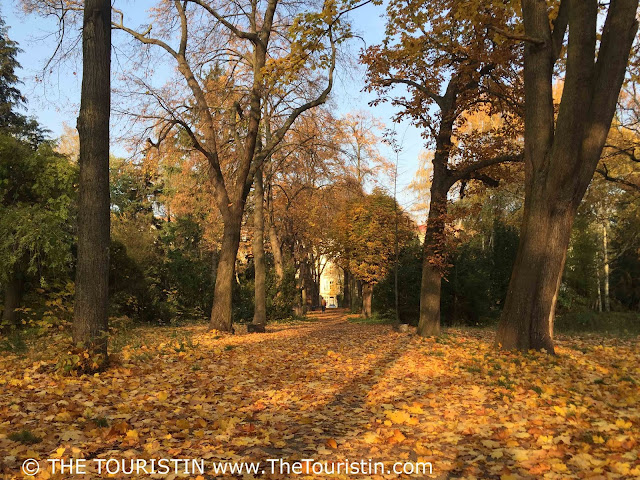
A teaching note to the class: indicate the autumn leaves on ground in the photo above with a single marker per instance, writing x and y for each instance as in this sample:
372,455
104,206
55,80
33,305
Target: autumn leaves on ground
332,389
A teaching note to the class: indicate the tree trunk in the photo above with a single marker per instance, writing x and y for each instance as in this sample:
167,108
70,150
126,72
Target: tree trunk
346,298
223,290
90,318
276,249
12,299
367,295
357,299
599,300
429,323
260,298
433,259
561,154
536,277
605,257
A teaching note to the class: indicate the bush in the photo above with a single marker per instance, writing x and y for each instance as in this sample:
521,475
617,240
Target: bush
409,280
281,298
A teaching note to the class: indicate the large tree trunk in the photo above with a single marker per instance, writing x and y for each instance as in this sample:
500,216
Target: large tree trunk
12,299
260,282
560,162
536,277
367,295
90,318
223,290
432,265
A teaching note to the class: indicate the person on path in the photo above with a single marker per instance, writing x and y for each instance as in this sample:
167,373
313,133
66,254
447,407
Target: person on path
323,302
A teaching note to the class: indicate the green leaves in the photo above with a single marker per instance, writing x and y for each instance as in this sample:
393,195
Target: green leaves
37,188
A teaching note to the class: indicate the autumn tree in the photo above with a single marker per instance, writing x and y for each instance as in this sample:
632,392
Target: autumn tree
255,46
439,63
561,154
90,317
365,234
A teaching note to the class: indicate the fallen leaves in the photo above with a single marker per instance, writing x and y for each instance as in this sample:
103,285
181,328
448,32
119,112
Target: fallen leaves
333,390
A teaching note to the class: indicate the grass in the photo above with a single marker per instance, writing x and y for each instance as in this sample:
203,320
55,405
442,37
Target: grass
619,324
25,437
375,319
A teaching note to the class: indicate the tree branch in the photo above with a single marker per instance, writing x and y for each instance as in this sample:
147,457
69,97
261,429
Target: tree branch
605,174
253,37
559,29
387,82
279,134
484,178
182,12
628,152
470,170
142,37
516,36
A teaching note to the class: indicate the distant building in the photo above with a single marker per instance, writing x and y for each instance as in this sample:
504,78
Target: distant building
331,284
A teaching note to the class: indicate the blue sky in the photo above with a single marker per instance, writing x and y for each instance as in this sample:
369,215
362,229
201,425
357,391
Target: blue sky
57,99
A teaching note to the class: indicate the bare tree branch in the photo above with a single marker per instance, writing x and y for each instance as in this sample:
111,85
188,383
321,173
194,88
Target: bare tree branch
387,82
253,37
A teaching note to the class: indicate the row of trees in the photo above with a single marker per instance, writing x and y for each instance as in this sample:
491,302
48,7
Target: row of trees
167,236
244,111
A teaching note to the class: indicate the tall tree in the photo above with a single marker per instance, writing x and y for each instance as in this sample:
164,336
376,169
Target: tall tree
450,65
10,96
222,113
12,122
561,154
90,316
366,231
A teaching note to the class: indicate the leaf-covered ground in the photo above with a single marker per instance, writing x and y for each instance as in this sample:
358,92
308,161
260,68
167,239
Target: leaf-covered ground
334,390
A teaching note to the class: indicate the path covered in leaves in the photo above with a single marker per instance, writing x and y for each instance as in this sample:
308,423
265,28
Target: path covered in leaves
333,390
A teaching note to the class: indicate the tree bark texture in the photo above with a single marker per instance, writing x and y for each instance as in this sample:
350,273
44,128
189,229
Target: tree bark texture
260,280
432,270
276,249
223,290
605,258
367,296
90,320
433,258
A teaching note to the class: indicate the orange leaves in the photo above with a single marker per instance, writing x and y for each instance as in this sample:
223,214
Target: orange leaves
334,390
396,437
